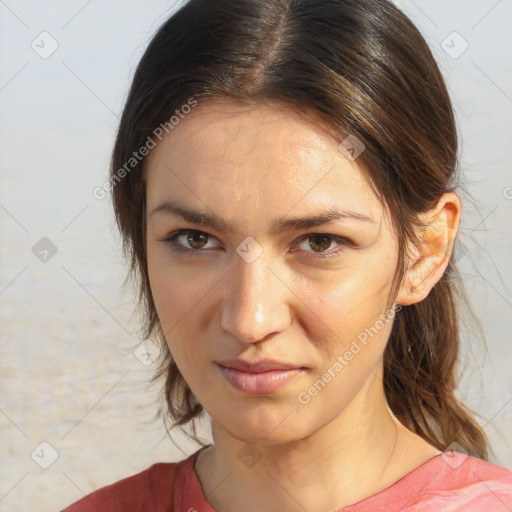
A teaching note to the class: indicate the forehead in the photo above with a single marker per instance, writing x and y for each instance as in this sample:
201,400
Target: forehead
224,154
226,131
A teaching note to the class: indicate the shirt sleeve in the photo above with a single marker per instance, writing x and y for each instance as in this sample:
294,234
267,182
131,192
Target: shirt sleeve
447,483
149,490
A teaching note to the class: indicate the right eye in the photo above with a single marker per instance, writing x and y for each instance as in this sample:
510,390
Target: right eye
196,240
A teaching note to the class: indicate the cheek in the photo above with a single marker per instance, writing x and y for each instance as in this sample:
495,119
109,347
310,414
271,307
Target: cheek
180,298
353,327
175,288
342,305
171,295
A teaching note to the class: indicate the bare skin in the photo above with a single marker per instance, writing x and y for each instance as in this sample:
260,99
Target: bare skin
253,166
298,477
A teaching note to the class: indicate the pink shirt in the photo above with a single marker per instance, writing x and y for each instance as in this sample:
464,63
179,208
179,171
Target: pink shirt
449,482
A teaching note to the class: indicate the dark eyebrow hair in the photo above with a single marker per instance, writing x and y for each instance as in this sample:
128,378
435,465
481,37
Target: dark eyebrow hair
211,220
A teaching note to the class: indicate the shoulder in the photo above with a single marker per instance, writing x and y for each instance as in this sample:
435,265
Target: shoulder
467,483
141,491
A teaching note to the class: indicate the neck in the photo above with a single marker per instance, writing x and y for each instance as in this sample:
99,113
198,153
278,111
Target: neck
350,458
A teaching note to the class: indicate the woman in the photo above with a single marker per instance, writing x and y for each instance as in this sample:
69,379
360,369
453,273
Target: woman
284,179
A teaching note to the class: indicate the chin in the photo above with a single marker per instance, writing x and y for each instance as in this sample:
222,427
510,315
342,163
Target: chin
260,438
261,425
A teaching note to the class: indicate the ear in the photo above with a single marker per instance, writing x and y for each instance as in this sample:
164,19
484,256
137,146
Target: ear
426,267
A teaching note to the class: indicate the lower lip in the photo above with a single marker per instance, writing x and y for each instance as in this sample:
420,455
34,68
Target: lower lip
259,383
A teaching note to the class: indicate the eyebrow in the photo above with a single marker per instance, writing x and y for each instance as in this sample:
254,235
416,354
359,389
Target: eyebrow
213,221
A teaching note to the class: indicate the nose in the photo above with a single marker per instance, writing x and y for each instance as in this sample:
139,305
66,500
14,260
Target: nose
256,302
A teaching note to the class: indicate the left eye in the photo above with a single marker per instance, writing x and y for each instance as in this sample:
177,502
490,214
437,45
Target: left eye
198,241
321,242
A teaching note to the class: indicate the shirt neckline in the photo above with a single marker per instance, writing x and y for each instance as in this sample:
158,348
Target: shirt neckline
397,495
188,488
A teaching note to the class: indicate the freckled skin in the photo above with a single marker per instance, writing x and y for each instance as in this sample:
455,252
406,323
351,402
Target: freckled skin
252,167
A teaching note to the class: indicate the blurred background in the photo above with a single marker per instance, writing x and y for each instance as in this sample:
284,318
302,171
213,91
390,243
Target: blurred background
77,410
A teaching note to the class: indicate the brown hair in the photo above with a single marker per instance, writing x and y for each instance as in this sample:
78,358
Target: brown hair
361,68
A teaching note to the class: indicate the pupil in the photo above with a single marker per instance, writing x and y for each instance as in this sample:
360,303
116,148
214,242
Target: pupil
192,240
324,245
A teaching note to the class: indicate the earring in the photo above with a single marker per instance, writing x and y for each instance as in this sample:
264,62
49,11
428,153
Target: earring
413,289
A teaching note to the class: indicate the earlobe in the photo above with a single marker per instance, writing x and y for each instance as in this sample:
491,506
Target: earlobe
427,266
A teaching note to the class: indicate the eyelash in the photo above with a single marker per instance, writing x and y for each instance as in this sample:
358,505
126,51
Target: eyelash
171,240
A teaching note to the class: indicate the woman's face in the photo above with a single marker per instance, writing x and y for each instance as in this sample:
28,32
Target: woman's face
235,274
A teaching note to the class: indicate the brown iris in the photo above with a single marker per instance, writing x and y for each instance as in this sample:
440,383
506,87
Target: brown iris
321,246
197,240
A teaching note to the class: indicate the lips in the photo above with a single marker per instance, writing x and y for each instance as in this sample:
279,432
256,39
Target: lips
263,365
258,377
